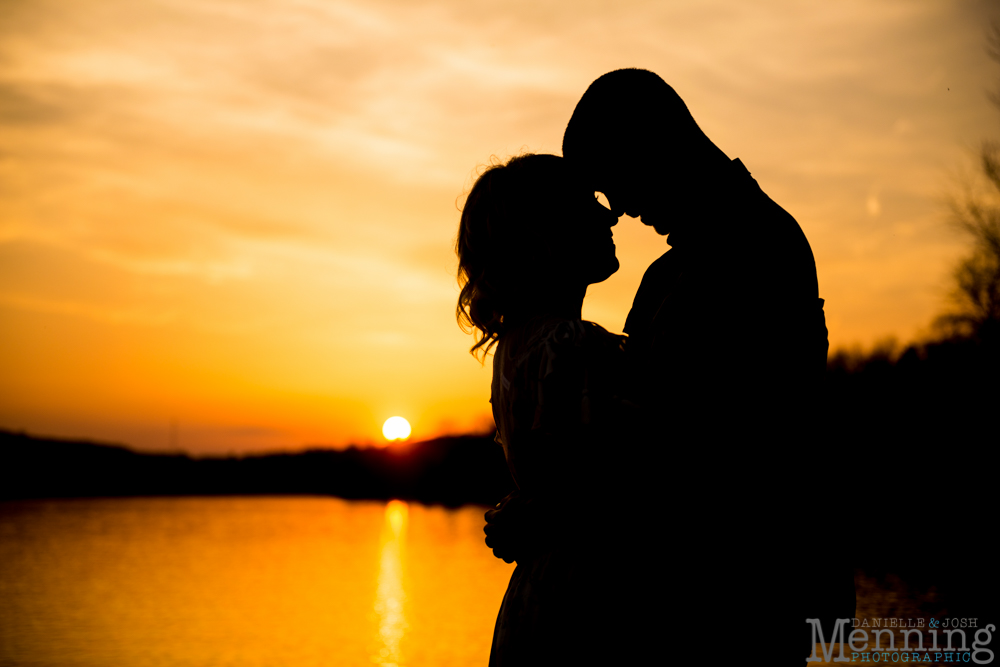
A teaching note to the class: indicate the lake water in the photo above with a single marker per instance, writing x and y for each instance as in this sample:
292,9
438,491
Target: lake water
291,581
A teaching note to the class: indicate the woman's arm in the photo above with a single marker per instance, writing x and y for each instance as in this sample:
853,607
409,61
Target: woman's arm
565,444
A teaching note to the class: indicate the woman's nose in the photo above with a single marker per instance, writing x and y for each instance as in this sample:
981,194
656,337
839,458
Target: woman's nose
616,207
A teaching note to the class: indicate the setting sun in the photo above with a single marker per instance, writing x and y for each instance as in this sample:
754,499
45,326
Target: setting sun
396,428
298,169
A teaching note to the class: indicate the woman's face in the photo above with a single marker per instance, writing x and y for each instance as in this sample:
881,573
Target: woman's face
587,248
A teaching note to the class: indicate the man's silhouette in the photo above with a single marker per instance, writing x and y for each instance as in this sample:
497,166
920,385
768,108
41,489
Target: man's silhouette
730,317
727,346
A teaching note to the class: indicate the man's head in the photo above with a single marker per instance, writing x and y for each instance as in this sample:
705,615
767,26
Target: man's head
635,138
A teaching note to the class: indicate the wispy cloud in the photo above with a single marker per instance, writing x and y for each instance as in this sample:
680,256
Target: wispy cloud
283,175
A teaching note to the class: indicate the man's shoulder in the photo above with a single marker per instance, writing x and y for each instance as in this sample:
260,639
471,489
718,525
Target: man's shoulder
659,269
770,247
652,290
769,219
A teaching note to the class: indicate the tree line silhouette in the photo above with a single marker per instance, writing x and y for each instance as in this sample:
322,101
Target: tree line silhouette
452,471
911,431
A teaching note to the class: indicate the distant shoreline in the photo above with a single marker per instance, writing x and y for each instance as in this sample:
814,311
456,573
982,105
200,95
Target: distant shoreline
452,471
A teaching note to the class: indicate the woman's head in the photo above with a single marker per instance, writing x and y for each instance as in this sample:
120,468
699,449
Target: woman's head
531,230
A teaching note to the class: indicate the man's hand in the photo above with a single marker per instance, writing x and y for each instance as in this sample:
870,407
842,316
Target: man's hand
507,528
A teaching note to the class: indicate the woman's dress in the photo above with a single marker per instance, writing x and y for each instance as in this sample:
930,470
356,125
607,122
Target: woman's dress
557,413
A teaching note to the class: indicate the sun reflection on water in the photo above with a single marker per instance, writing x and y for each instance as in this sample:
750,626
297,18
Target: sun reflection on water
390,596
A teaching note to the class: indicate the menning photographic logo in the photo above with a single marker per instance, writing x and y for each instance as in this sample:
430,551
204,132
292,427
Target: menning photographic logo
913,631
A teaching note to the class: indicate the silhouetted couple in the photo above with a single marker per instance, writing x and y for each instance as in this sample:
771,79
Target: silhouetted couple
670,504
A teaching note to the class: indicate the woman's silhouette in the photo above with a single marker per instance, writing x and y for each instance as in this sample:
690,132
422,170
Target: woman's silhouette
532,238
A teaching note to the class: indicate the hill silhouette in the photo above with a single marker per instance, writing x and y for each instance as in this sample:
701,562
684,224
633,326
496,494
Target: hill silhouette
450,470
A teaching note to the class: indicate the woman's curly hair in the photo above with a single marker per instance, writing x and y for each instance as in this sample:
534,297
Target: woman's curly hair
503,233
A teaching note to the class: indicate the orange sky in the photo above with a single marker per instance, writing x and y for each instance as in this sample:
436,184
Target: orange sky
238,216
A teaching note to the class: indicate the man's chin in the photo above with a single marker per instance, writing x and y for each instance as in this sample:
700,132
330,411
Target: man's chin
661,226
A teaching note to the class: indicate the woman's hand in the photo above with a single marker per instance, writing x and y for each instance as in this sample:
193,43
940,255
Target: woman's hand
508,527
